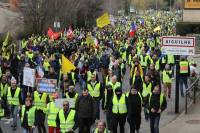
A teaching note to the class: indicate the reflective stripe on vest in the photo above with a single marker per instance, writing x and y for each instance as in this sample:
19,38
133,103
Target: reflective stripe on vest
40,103
66,124
31,115
166,78
146,89
94,91
183,67
73,78
72,101
13,100
161,99
52,114
119,106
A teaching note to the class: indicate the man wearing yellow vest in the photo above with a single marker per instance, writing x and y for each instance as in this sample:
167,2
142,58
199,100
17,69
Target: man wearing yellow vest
71,96
146,90
14,101
167,80
2,110
119,110
66,119
183,73
3,91
157,104
40,102
96,91
52,112
27,116
114,83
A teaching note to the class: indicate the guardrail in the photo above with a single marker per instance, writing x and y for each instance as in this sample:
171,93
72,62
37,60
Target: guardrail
192,93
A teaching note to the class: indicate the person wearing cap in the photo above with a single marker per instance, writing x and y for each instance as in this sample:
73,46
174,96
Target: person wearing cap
95,89
119,110
134,110
183,73
14,101
40,100
157,104
27,116
71,96
52,112
100,127
86,110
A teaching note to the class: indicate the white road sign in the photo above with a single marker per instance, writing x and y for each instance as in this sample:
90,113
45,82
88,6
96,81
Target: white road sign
177,45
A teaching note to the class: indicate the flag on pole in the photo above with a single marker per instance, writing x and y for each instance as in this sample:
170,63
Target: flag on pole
103,20
5,43
142,22
67,66
133,29
70,34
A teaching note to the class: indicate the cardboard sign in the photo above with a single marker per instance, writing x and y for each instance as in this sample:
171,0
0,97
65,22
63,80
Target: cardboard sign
46,85
29,77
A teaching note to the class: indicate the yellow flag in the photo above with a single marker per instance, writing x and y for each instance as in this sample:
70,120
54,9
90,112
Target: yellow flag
67,66
103,20
157,29
5,43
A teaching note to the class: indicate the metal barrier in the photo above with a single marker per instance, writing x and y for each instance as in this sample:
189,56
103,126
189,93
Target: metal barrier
192,93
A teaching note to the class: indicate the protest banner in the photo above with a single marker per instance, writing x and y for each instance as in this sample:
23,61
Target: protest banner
29,77
46,85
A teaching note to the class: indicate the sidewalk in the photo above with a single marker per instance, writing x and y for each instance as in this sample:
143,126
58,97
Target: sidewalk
189,123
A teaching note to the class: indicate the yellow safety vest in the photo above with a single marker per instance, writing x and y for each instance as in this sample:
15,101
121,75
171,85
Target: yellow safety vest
119,106
96,131
73,77
146,89
66,124
143,60
170,59
161,99
4,89
166,78
46,66
183,67
40,103
72,100
114,86
94,91
52,112
31,115
1,111
13,100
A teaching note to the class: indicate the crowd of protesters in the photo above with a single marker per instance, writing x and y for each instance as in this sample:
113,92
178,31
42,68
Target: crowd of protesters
117,52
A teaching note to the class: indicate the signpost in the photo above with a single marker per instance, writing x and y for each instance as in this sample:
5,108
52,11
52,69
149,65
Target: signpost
46,85
176,45
192,4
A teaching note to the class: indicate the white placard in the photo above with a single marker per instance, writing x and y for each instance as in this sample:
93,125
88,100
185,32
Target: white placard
29,77
177,45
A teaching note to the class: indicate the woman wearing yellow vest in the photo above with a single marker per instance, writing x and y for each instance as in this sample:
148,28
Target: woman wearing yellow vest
52,112
167,80
27,116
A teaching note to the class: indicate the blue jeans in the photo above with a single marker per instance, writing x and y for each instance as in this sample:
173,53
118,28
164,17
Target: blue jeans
183,80
26,131
14,112
97,106
154,123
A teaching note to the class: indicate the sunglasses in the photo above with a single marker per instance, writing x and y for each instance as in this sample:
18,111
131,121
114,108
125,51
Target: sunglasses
65,105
